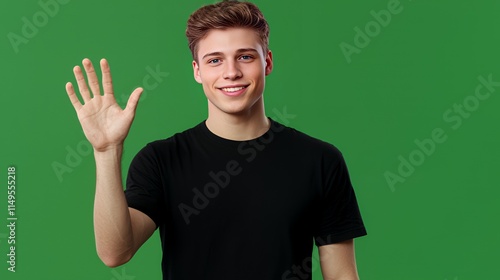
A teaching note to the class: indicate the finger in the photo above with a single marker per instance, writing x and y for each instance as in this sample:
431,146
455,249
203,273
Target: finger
107,82
72,96
134,99
91,76
82,85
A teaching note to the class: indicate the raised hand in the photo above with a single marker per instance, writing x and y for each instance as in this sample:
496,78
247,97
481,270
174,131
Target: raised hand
104,123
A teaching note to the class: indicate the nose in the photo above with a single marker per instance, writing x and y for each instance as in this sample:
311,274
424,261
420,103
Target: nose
231,71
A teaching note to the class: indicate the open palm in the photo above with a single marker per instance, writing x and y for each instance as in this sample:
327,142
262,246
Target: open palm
104,123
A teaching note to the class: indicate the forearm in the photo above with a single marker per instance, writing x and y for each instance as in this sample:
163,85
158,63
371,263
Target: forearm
338,261
347,276
112,223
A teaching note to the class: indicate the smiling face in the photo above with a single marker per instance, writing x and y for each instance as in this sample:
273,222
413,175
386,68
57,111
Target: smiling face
232,68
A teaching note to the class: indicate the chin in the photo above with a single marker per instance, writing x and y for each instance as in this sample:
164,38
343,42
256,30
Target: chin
232,109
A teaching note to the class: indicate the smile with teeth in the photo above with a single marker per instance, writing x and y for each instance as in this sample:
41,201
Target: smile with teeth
233,89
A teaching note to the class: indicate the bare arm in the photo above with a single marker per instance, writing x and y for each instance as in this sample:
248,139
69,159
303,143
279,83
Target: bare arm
119,230
338,262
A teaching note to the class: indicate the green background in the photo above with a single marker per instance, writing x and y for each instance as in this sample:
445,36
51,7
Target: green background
440,223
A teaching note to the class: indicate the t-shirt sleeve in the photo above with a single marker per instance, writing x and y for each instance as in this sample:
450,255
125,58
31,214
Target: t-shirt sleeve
339,217
144,189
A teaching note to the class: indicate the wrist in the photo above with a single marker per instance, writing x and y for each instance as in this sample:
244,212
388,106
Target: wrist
110,151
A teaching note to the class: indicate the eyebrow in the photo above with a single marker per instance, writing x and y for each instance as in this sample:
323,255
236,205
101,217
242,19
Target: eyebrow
237,51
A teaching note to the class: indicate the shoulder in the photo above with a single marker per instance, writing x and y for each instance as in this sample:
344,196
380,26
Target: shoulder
171,143
306,142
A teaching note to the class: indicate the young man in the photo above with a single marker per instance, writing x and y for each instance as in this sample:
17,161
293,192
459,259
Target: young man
238,196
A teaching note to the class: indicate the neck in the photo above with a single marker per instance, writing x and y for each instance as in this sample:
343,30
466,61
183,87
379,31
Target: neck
239,127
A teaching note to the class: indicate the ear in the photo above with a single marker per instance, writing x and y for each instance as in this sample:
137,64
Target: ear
269,63
196,72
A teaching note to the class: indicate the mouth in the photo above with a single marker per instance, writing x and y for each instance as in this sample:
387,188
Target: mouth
233,90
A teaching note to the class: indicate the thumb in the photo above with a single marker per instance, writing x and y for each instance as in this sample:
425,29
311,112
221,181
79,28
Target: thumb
133,100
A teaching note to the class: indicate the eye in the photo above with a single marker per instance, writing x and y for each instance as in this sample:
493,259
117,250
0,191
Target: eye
213,61
246,57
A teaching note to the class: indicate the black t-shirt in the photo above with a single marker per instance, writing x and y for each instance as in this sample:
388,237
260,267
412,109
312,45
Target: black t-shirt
241,210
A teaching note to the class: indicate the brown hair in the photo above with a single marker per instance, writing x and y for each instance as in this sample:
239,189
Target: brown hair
225,15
